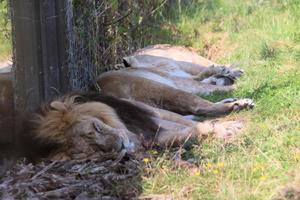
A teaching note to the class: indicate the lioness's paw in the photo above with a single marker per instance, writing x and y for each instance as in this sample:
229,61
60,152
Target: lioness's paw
231,71
237,73
227,129
235,70
243,104
228,100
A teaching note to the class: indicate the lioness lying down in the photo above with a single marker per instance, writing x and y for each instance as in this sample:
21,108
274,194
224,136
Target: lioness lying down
168,77
140,106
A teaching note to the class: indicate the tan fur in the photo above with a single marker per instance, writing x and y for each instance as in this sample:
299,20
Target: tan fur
85,129
177,53
65,113
168,77
163,81
53,126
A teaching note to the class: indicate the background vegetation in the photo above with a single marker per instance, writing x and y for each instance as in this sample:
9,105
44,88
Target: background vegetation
111,29
5,36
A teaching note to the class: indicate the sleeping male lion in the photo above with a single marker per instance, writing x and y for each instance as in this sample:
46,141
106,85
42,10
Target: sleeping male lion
140,106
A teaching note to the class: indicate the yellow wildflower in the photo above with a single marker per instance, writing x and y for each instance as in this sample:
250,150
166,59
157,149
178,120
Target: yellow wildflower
263,178
154,152
197,174
259,167
146,160
215,171
209,165
220,164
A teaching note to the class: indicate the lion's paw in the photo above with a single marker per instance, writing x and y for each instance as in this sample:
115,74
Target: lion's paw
228,100
227,129
231,71
243,104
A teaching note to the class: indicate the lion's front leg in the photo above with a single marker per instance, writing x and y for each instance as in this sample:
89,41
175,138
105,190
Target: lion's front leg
223,107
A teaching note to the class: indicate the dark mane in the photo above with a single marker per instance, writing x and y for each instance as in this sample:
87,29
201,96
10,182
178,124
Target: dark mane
136,119
31,147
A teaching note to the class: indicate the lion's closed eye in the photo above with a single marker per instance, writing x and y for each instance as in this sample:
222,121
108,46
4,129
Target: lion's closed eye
98,127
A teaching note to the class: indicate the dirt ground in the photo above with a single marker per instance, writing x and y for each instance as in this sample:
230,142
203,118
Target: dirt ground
5,66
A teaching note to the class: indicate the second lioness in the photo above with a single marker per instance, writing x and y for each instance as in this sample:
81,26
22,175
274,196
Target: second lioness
169,77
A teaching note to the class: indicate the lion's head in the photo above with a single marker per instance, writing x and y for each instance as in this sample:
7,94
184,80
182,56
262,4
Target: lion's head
78,133
94,133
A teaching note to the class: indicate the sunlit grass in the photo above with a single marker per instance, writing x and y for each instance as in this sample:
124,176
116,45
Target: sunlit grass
264,38
5,38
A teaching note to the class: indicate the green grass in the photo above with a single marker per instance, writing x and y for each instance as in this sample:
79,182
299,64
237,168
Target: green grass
264,37
5,38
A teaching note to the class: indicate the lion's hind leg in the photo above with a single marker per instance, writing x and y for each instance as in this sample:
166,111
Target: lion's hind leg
175,134
178,135
221,129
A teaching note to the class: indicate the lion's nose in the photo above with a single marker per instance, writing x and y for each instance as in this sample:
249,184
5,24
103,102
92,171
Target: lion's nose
129,147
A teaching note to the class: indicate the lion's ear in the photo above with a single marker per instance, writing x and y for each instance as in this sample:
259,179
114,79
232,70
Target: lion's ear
59,106
131,61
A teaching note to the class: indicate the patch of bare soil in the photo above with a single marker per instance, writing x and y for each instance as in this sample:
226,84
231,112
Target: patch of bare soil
5,67
290,191
5,64
216,45
88,179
